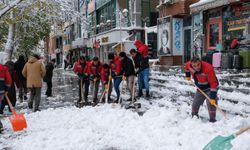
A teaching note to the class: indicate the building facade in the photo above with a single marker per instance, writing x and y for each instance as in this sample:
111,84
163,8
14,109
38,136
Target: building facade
175,31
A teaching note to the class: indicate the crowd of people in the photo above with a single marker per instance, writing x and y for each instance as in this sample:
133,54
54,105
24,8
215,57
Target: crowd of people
119,68
26,76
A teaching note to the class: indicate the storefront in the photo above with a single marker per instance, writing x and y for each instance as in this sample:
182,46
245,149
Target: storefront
174,32
234,21
218,22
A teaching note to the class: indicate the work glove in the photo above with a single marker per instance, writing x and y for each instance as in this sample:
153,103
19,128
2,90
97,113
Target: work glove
123,77
82,75
98,76
212,102
187,78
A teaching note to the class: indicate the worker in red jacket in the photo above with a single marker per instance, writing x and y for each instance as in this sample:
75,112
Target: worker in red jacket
141,48
95,67
81,69
5,83
106,78
205,78
116,72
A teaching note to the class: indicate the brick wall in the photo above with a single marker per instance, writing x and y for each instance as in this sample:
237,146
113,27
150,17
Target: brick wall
170,60
180,7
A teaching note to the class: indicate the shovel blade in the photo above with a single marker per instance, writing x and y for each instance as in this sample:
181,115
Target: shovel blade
220,143
18,122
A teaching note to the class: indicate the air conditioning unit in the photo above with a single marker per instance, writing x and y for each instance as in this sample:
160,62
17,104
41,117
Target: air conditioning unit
167,1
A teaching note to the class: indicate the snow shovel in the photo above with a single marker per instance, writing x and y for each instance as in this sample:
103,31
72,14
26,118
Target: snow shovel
17,121
223,143
123,89
107,89
208,98
94,89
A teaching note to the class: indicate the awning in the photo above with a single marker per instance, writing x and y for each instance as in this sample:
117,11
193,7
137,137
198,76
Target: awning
209,4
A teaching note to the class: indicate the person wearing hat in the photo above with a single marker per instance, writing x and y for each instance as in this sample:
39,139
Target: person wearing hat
34,71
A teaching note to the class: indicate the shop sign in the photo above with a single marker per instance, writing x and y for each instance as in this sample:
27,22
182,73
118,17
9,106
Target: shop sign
164,36
177,36
105,39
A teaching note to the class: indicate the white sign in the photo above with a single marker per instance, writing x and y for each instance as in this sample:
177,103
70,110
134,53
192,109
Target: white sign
164,36
177,36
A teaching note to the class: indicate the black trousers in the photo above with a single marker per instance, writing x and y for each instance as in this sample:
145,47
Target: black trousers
84,89
49,89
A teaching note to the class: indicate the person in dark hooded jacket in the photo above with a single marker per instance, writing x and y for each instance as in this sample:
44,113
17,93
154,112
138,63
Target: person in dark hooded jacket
48,77
18,66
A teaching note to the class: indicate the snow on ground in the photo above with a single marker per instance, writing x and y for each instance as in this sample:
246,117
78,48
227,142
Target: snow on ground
107,127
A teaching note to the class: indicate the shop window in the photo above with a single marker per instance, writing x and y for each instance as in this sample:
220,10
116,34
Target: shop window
214,33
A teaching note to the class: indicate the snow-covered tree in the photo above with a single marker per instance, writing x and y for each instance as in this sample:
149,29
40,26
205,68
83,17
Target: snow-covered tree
30,21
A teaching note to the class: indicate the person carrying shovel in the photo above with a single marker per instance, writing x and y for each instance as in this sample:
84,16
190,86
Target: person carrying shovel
5,83
106,80
206,81
95,67
81,69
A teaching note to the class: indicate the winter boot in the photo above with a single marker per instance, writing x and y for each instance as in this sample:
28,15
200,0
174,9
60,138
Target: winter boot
140,93
147,94
117,100
212,120
1,127
195,114
130,99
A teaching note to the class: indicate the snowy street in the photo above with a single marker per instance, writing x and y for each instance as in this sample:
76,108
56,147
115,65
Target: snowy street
164,121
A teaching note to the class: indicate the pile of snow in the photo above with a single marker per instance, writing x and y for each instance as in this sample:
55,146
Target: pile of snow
105,127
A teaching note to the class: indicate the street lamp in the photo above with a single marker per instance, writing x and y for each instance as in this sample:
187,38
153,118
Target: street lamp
123,13
146,20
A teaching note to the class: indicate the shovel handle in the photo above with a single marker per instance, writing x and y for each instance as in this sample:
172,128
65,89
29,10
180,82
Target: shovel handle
133,91
9,103
208,98
242,130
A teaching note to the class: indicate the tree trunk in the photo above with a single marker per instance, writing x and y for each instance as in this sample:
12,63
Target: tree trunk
9,46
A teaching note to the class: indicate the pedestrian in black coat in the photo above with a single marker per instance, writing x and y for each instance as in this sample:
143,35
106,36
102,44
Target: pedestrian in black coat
128,70
18,67
48,77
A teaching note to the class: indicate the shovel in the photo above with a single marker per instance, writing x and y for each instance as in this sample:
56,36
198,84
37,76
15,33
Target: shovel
208,98
17,121
223,143
107,89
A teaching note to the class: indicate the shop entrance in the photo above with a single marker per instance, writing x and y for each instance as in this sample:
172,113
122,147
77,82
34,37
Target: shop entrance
187,43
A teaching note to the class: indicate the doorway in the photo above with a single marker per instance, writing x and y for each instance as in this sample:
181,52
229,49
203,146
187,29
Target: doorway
187,43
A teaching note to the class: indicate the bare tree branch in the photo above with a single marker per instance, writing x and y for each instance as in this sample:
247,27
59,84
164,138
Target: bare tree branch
9,7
